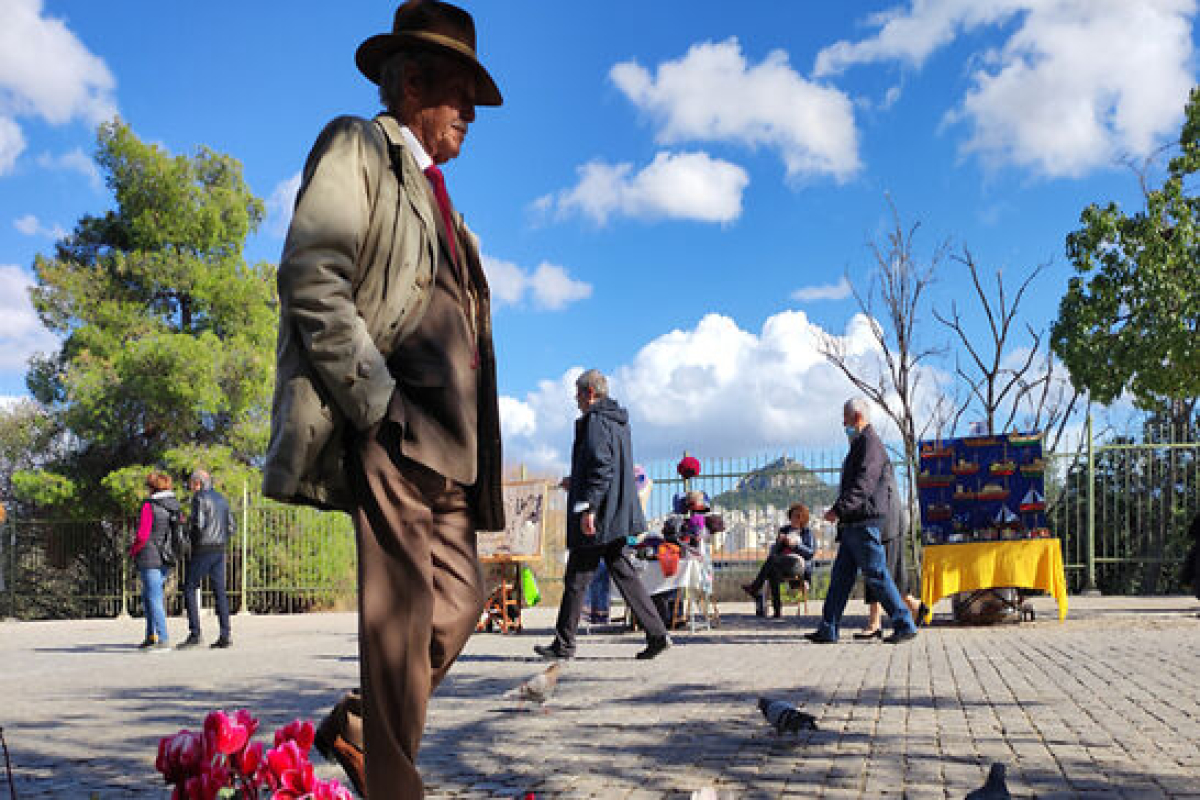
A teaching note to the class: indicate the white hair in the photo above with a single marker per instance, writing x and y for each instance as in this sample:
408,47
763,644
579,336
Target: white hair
859,405
593,379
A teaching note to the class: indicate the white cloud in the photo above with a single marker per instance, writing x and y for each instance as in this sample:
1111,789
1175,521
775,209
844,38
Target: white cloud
836,291
715,390
1077,84
32,226
549,287
74,161
45,71
27,224
689,186
912,35
12,144
280,206
21,332
713,94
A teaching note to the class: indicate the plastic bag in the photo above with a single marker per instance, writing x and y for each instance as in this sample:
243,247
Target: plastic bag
668,559
529,588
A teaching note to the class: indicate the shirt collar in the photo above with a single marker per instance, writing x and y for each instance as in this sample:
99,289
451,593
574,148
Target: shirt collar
414,147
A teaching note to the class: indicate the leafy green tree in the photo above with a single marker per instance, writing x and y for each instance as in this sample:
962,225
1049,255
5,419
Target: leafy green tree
27,441
167,333
1130,319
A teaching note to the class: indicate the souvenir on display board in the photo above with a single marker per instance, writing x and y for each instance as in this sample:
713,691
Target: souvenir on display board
524,524
983,488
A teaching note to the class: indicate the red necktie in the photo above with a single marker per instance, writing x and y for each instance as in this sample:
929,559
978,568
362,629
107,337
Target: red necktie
438,182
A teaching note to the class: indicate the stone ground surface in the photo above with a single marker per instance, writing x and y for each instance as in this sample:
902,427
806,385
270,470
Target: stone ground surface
1103,705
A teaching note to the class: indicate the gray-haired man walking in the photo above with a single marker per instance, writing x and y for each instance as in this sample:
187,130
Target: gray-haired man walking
209,528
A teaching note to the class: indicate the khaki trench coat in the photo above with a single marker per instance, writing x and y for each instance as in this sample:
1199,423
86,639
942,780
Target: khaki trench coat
354,280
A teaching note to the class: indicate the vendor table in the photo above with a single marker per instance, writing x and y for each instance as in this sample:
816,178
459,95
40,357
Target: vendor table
1024,563
694,580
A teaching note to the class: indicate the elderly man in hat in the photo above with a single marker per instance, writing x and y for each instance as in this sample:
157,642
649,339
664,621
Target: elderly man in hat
385,396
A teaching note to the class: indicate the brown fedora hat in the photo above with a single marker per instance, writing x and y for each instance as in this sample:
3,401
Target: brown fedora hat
433,25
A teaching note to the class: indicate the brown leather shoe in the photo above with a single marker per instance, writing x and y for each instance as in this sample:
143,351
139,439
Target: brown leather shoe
332,744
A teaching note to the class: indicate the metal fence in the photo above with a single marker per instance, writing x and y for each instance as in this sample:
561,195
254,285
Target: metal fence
280,560
1121,509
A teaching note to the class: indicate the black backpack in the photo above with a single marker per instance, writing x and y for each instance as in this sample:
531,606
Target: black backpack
174,546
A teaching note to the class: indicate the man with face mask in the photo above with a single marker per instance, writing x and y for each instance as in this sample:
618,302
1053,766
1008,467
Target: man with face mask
860,512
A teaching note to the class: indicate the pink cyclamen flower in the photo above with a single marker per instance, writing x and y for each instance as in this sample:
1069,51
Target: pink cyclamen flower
331,790
298,731
296,784
244,717
180,756
205,786
248,761
224,733
283,769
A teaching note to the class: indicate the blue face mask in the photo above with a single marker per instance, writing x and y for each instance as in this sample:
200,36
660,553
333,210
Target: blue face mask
851,432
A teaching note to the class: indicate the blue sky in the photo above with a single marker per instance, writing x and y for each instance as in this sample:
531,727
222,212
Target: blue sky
673,192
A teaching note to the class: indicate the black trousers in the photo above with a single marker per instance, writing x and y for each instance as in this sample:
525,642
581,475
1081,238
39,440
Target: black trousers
581,566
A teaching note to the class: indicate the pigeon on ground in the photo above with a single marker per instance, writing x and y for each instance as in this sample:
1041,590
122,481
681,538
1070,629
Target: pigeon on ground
785,717
538,688
994,788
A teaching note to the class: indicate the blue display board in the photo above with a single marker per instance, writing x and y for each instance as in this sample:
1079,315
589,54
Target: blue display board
983,488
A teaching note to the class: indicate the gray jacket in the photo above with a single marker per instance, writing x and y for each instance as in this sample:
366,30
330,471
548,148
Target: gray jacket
355,279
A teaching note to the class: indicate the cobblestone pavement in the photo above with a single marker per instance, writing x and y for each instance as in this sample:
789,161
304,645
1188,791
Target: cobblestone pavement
1106,704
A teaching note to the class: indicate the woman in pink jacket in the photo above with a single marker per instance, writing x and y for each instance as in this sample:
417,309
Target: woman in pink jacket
154,527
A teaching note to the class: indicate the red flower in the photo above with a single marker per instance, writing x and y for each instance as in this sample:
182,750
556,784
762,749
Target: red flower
248,761
300,732
243,717
180,756
286,771
225,734
331,790
206,786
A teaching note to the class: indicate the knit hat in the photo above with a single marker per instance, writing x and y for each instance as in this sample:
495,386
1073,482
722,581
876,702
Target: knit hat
689,467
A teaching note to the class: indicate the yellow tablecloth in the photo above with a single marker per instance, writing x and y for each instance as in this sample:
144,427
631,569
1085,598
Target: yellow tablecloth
1023,563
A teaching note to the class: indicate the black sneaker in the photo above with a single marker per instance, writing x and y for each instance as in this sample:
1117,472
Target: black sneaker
191,641
553,652
654,646
148,642
899,637
222,643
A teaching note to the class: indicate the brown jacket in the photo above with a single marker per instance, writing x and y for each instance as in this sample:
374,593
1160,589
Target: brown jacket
354,281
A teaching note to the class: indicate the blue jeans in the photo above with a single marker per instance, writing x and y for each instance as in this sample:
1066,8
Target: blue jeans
597,593
152,602
201,566
862,549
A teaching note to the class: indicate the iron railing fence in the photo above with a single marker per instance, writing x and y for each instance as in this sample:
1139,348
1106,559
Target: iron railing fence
1120,508
1122,511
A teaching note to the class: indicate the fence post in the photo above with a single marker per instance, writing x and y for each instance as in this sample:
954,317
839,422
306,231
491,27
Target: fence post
124,612
11,574
1089,542
245,609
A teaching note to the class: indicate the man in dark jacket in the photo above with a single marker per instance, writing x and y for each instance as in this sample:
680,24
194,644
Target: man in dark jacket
602,509
860,512
209,528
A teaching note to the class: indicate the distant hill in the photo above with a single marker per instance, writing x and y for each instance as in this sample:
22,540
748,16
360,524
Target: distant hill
779,484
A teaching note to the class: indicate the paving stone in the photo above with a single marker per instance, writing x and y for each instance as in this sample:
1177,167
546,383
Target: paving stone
1071,713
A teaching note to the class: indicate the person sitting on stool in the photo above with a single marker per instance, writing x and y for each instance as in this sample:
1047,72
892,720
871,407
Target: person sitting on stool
790,558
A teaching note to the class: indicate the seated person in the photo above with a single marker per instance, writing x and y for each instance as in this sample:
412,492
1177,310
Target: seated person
790,558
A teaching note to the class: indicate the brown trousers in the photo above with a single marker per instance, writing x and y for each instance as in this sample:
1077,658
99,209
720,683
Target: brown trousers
420,595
